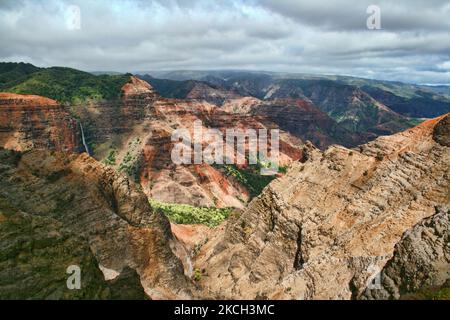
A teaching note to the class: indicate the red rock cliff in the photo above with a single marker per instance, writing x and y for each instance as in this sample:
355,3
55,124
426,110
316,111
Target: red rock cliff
28,121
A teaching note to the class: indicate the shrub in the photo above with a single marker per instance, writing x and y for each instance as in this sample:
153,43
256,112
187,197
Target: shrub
186,214
379,156
250,177
197,275
110,159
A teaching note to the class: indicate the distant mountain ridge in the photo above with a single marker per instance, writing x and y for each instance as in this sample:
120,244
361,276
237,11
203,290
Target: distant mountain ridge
350,106
418,101
70,85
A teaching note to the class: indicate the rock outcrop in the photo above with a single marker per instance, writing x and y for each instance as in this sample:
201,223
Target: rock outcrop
62,195
28,122
330,226
420,260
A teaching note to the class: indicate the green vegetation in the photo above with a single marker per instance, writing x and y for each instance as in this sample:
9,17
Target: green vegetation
62,84
282,169
186,214
132,162
415,121
170,88
101,148
442,293
12,74
197,275
110,159
250,176
379,156
131,165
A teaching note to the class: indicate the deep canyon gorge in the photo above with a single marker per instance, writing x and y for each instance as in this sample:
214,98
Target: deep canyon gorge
362,194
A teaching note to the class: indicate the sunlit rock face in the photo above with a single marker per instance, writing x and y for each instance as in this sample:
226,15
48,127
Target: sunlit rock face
338,219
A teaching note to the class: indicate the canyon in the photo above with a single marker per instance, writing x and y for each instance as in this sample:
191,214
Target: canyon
336,219
359,210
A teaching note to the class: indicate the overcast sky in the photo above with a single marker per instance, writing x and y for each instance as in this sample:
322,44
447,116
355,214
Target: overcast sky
318,36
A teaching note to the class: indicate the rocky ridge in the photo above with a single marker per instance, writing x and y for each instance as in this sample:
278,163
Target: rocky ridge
79,196
328,227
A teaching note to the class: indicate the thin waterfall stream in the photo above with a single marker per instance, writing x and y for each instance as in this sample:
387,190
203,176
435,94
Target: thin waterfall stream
83,139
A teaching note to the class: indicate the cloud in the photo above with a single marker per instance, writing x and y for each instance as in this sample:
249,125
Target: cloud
298,36
400,15
444,65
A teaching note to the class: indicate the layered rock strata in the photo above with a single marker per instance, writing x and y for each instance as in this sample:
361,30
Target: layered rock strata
331,225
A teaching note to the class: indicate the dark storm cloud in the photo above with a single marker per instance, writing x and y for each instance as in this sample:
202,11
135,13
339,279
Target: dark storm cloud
283,35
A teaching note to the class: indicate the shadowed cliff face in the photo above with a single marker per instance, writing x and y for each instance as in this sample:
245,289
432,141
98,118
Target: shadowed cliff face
43,249
81,197
28,122
328,227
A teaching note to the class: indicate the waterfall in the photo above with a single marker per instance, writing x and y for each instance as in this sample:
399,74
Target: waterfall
84,139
